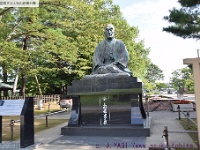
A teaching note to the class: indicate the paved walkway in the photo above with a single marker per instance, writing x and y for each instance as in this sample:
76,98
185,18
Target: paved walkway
51,139
169,119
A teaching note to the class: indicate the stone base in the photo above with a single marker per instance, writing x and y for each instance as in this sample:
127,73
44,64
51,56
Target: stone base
107,75
127,121
107,130
108,84
117,115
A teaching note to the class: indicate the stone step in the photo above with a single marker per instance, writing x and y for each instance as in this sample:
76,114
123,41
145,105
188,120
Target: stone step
107,130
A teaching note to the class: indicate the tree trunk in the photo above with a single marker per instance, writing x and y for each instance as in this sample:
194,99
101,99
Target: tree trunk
57,90
38,84
23,93
25,47
5,79
15,83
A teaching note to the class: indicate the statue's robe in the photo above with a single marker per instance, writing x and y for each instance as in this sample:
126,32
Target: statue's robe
110,57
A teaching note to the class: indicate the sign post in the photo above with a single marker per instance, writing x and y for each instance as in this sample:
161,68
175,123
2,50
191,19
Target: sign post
27,124
24,109
196,73
11,107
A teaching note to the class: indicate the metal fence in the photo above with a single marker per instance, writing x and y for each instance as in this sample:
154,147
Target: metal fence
166,136
166,131
187,115
38,99
12,122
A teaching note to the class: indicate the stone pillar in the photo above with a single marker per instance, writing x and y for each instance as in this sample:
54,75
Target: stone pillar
136,117
75,119
196,73
27,123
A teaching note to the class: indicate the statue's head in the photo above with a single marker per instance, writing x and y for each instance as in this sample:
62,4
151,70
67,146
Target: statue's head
109,31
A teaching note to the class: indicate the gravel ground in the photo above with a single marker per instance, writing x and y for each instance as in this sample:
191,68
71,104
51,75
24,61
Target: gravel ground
158,105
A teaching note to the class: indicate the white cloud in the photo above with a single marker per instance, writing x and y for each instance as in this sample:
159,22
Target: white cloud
167,50
149,13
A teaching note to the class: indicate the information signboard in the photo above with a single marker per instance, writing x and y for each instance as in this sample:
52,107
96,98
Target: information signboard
11,107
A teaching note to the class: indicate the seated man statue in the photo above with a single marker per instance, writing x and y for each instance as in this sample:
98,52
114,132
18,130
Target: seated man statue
111,55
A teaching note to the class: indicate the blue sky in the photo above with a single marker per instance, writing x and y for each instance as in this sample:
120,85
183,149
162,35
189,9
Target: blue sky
167,50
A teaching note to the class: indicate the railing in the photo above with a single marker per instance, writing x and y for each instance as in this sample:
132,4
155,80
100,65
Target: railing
47,98
37,98
12,97
166,131
166,136
49,114
12,122
187,115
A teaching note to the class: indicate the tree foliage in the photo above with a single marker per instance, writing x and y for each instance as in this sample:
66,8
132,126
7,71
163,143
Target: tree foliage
186,20
56,41
154,73
182,78
160,86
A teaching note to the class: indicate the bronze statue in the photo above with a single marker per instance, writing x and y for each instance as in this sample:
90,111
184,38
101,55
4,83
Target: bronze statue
111,55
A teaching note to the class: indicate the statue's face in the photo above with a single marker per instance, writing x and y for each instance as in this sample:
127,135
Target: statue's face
109,31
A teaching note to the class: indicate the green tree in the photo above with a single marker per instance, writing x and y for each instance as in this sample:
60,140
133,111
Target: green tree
181,79
186,20
57,41
36,41
9,52
86,31
160,85
154,73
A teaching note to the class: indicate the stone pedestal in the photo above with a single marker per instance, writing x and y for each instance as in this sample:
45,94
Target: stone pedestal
136,109
97,119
